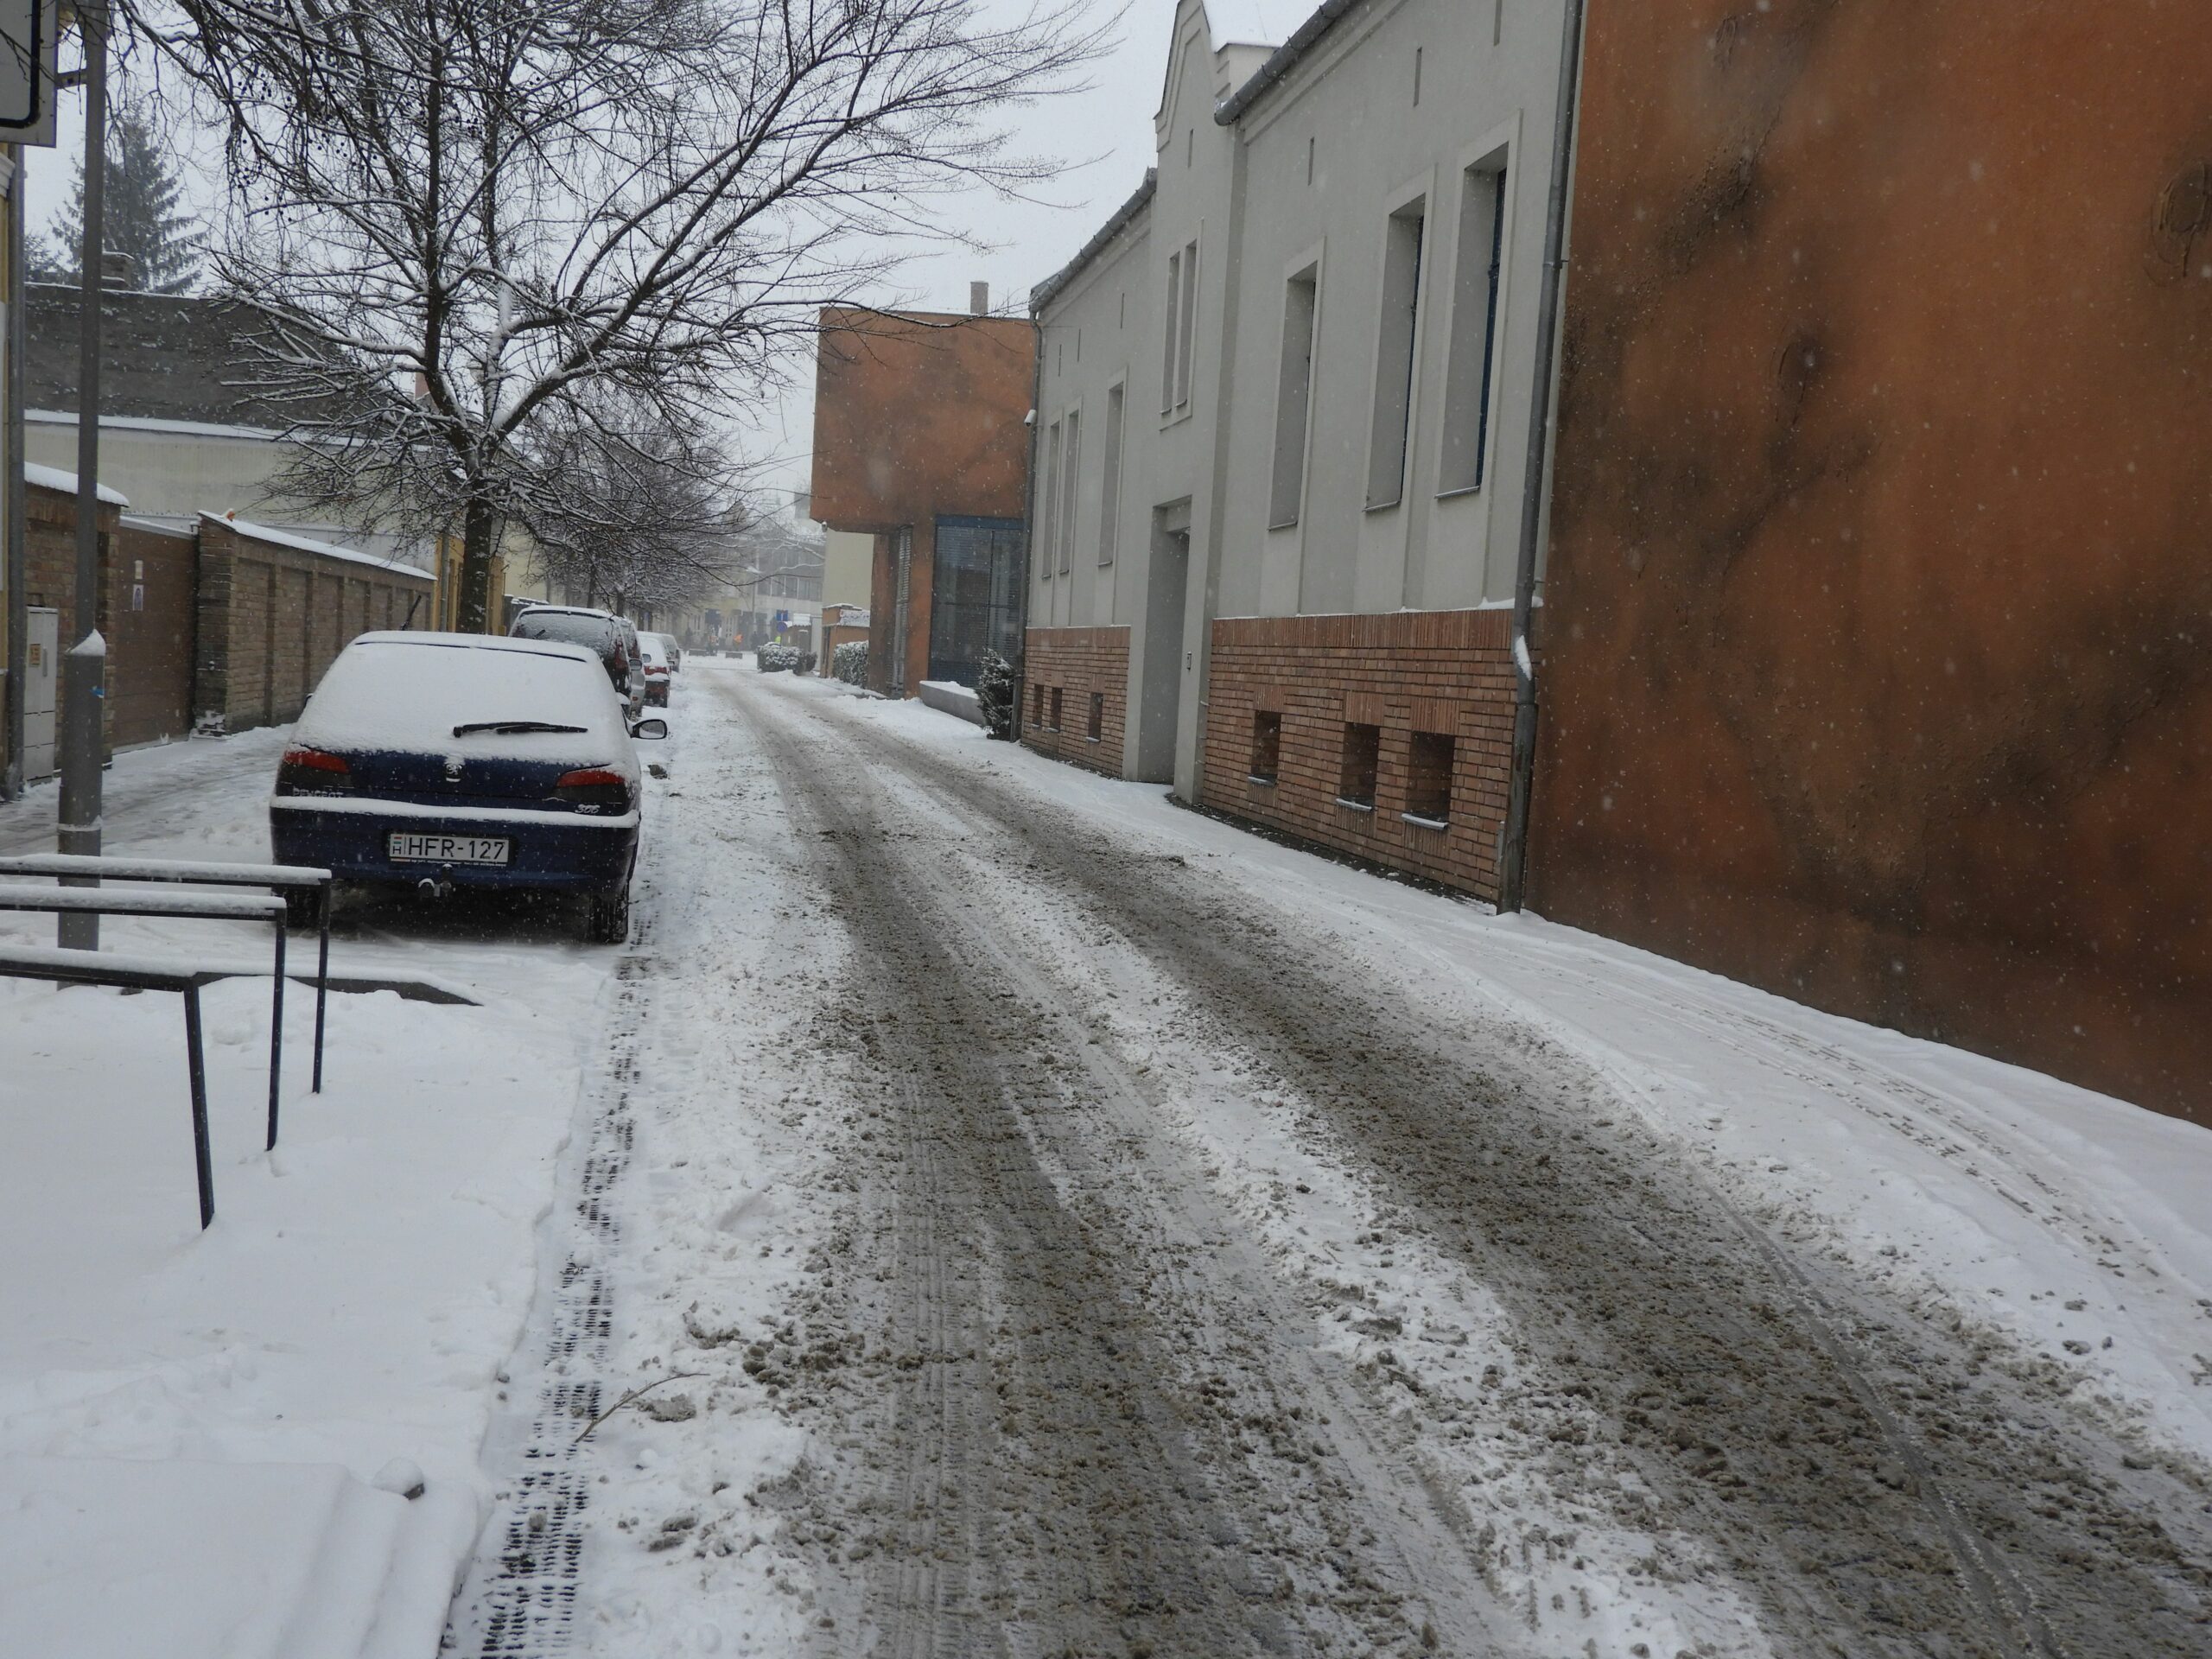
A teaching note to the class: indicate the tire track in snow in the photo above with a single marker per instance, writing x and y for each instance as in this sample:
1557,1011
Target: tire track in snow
518,1601
1053,1478
1754,1413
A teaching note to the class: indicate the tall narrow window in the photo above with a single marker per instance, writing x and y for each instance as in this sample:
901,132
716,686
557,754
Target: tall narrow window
1474,330
1394,355
1267,745
1071,478
1048,502
1294,397
1356,777
1187,333
1171,354
1110,481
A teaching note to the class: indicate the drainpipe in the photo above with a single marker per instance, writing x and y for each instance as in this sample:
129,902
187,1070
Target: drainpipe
1029,516
1513,861
12,545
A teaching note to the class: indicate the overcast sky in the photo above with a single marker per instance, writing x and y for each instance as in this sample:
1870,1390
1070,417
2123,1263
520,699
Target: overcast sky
1102,135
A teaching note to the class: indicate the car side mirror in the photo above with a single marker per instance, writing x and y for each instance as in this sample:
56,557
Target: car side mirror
650,729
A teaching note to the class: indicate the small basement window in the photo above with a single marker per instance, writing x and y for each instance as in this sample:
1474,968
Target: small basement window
1096,729
1267,745
1356,781
1054,723
1036,705
1428,781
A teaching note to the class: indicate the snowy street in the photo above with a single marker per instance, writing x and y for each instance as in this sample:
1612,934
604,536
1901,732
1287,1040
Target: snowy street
987,1209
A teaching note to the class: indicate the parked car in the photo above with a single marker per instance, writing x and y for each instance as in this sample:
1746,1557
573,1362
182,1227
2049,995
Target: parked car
657,669
612,636
674,651
431,761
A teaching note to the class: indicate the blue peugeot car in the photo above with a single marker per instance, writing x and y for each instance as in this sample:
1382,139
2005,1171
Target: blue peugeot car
431,761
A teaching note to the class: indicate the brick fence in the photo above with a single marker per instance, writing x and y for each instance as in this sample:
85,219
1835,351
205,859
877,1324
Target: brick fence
1386,736
274,610
1084,674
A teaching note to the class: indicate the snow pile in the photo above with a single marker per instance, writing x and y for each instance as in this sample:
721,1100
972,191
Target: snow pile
203,1437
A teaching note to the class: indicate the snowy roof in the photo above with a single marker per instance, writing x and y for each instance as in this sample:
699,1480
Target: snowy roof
309,545
145,423
1319,20
52,478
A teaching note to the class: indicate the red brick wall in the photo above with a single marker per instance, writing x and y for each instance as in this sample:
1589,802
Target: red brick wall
1442,671
50,573
1077,662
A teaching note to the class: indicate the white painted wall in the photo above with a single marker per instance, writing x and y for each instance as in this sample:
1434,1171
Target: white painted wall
1488,72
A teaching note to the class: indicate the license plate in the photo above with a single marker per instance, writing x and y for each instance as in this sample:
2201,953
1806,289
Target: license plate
448,849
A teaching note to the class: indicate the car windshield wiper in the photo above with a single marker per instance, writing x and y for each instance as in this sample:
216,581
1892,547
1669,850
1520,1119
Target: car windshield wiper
515,726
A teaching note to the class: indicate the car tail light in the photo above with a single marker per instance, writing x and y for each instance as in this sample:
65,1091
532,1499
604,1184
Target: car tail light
594,789
314,771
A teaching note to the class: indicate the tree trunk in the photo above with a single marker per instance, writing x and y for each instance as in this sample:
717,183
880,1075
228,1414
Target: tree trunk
477,524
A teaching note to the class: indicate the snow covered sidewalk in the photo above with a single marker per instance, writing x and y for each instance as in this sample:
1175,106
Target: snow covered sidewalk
199,1433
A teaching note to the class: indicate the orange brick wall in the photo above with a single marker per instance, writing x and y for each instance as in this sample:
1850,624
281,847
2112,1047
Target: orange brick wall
1445,671
1077,662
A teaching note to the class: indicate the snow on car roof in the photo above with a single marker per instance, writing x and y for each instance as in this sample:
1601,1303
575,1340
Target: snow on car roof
407,691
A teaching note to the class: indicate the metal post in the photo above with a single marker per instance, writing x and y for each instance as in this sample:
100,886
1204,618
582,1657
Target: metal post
197,1066
12,495
276,1035
84,665
322,979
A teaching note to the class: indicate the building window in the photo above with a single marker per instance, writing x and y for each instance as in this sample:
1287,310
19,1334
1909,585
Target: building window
1355,780
1048,505
1474,330
1396,333
1036,705
1428,781
1071,476
1416,77
1186,335
1053,724
1096,728
1294,397
1267,745
1110,497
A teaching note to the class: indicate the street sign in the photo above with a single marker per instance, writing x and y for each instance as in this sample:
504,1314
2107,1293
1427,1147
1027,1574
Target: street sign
29,34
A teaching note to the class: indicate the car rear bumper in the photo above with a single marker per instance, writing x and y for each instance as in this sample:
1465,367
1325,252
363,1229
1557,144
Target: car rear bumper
548,850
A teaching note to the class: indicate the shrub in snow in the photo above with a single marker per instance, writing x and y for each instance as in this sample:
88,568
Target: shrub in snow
995,690
849,662
778,660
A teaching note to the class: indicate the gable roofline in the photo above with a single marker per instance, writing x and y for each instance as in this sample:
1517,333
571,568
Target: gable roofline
1286,58
1048,290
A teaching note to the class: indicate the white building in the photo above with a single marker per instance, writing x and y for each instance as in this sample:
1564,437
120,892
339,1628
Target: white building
1284,415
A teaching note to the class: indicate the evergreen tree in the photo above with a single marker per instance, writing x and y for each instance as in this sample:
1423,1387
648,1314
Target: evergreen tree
144,215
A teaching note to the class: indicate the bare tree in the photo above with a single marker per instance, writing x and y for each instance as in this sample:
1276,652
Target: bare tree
462,219
628,512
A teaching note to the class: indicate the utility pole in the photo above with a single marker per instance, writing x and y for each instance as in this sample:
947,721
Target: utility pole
83,667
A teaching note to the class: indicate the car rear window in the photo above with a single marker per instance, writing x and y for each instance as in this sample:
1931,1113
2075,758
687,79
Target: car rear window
409,695
589,631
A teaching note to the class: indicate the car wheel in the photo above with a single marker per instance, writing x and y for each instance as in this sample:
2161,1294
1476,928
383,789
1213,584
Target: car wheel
607,917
